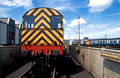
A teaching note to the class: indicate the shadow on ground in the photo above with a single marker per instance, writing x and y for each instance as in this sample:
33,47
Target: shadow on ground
67,67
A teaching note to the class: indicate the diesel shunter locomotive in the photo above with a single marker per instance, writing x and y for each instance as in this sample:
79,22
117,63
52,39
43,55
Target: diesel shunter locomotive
42,32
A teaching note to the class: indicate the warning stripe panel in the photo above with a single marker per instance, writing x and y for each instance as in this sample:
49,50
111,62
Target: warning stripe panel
38,38
23,31
30,12
48,12
57,35
44,36
27,35
52,37
42,14
38,35
47,41
42,42
55,12
37,12
35,37
40,22
60,30
34,34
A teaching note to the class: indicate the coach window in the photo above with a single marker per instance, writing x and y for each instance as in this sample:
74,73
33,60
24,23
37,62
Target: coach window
119,41
103,41
111,41
56,22
115,41
98,42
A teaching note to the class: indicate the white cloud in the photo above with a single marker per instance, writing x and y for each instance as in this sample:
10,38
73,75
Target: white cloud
64,21
108,15
62,4
94,28
99,31
111,32
95,31
3,12
68,29
99,5
75,22
69,36
17,3
57,4
65,7
90,26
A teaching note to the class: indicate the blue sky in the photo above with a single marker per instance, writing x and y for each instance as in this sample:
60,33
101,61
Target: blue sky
97,17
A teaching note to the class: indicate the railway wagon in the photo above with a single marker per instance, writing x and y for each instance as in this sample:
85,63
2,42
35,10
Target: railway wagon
42,32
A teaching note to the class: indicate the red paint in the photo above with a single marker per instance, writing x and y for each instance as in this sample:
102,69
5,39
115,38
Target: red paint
44,48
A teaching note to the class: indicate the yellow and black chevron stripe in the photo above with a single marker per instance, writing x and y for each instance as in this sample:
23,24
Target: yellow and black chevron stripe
42,17
42,33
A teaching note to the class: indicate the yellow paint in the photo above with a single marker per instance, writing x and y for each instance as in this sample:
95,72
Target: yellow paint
41,35
112,56
38,38
42,21
87,42
22,25
55,12
42,14
59,37
60,31
62,25
27,35
30,12
47,12
34,35
42,27
37,12
44,36
41,42
24,31
52,37
22,19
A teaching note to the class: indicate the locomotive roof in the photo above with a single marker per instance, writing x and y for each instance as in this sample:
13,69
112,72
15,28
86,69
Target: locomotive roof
106,39
42,7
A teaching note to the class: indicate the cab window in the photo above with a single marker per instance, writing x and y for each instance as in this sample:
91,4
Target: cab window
56,22
28,22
